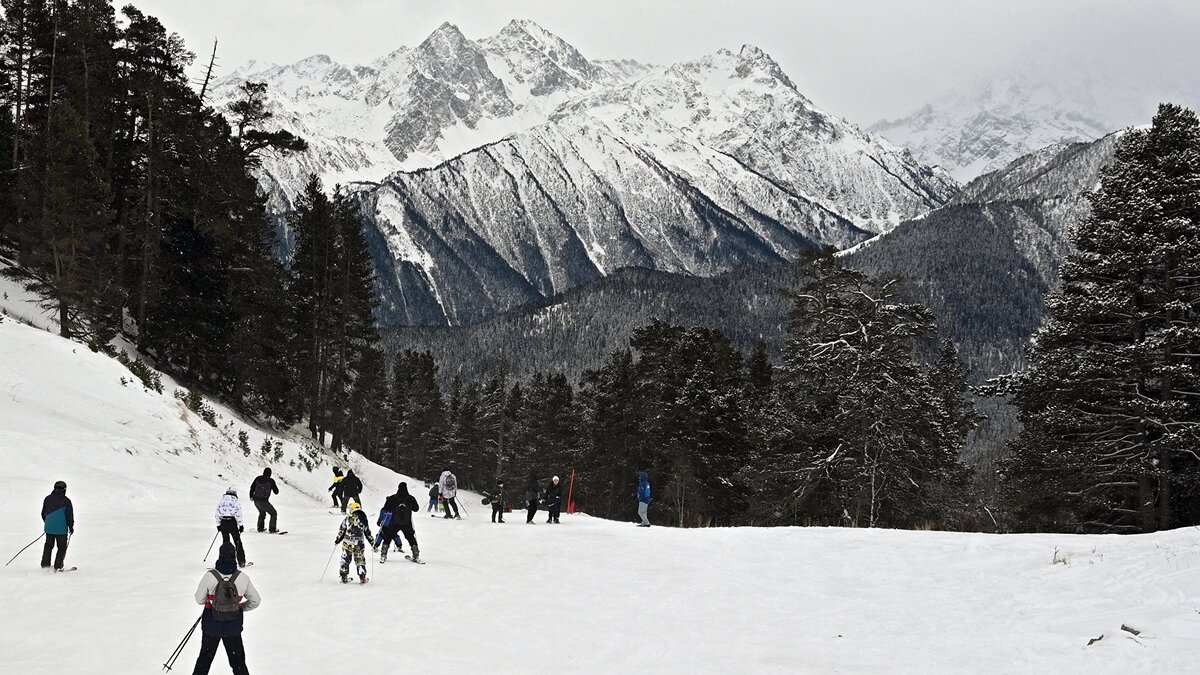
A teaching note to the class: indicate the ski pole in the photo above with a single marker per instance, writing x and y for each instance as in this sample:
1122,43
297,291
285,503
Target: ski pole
327,564
23,550
179,650
210,545
463,504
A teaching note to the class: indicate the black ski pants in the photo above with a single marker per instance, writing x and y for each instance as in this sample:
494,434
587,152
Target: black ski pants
51,541
229,530
451,502
233,649
392,533
264,509
553,508
497,511
533,504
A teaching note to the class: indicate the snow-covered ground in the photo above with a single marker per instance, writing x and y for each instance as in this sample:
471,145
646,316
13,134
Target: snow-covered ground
585,596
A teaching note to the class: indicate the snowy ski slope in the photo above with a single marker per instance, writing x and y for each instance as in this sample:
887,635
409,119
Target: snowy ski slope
586,596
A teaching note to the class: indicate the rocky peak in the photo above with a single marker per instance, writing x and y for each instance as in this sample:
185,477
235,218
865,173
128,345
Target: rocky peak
755,63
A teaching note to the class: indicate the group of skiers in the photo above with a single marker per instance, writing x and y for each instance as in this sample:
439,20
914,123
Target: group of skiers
226,592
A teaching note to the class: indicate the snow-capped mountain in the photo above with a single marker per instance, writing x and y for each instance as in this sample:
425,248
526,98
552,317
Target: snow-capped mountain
1034,103
562,169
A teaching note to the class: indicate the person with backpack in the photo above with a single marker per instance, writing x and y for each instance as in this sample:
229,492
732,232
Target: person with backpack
448,486
553,500
353,535
643,497
352,487
58,518
229,522
335,490
531,496
435,493
260,493
226,593
400,508
497,499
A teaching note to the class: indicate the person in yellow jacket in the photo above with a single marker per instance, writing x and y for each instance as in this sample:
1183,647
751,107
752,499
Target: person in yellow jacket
336,488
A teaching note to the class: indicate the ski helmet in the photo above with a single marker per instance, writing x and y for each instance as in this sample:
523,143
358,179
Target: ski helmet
231,491
354,506
60,485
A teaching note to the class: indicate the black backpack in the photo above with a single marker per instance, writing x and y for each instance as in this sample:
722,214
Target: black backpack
227,602
261,489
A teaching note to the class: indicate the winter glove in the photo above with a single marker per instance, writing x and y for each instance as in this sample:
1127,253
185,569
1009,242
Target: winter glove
241,528
337,541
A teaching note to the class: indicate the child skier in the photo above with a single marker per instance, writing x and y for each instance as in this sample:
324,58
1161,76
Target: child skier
435,493
399,509
497,499
229,522
353,535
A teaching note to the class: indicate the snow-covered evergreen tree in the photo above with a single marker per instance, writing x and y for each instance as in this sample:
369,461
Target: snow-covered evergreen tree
1111,400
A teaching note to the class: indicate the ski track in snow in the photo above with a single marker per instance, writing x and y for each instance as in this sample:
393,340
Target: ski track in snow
588,595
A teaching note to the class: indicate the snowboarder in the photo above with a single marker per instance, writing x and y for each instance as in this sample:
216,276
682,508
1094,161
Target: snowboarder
223,608
531,496
351,489
260,493
435,493
59,517
497,498
400,508
448,486
643,497
553,500
336,489
353,535
229,522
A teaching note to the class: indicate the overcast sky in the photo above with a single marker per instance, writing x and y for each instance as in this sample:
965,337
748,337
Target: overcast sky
861,59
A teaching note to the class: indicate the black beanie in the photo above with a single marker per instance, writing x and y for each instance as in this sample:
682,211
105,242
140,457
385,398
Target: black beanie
402,488
267,472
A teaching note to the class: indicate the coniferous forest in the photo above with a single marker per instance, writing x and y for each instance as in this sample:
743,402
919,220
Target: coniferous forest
131,205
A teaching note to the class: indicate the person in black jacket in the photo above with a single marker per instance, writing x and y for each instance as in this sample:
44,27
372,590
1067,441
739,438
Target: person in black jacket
260,493
400,507
336,489
59,517
531,496
351,489
497,499
553,500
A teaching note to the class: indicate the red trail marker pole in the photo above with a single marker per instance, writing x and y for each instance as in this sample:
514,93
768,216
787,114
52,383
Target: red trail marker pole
570,493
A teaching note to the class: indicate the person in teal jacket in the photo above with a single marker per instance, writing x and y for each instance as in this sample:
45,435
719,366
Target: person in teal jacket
59,518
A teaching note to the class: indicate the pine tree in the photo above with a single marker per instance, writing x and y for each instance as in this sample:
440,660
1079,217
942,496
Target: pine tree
870,447
1109,403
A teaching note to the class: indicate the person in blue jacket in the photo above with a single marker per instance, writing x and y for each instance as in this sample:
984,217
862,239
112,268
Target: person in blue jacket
643,496
59,518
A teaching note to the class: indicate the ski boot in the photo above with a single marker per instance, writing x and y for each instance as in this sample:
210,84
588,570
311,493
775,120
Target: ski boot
345,579
383,557
362,578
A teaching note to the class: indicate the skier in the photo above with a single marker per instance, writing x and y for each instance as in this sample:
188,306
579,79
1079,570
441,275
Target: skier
336,488
223,608
553,500
260,494
353,535
351,489
497,498
448,486
59,517
229,522
643,497
400,508
531,496
435,493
